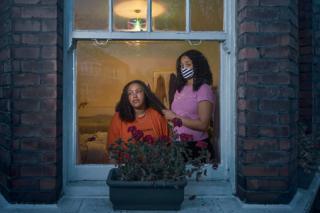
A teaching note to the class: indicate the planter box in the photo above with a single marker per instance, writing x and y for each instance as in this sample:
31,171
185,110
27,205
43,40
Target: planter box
137,195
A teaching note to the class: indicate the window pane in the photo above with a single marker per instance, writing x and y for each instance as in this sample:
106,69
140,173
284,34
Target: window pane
91,15
173,17
103,71
206,15
130,15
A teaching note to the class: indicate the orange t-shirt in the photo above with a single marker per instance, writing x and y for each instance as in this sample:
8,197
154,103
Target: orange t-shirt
152,123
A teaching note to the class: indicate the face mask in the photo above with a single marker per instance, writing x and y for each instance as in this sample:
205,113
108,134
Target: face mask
187,72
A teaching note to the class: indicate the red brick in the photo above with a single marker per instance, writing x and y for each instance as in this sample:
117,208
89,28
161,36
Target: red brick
27,52
275,52
49,2
26,25
38,118
259,171
39,12
39,66
29,144
275,2
27,1
285,145
49,52
48,157
31,171
39,39
5,79
260,144
276,27
284,119
24,184
26,158
26,131
26,79
48,105
248,53
246,27
246,3
26,105
4,54
49,131
273,157
241,117
49,171
47,184
267,184
261,118
241,130
48,79
275,105
5,105
49,25
39,92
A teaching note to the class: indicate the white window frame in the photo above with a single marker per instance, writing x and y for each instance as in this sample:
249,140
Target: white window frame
227,88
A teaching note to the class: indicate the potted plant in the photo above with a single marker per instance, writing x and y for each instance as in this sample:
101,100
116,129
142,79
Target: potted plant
151,174
308,155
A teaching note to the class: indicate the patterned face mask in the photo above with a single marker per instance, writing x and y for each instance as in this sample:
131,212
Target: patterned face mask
187,72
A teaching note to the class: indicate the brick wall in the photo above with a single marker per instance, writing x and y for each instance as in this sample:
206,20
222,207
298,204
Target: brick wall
267,100
35,169
305,63
316,67
5,94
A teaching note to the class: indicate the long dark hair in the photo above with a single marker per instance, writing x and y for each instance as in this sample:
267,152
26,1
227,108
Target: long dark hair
126,111
202,73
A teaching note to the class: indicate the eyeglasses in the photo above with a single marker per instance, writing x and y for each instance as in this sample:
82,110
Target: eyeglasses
135,92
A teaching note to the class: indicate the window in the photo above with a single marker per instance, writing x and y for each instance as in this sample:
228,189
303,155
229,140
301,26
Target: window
112,42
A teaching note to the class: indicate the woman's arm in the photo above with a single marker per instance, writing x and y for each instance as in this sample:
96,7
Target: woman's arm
204,112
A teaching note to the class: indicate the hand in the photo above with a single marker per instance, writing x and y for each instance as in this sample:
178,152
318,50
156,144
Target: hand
168,114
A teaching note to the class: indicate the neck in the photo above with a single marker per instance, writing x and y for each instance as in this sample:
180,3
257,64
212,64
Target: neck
190,81
140,112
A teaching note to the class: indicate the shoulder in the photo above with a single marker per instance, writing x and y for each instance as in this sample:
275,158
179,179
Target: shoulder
205,92
116,117
153,112
205,87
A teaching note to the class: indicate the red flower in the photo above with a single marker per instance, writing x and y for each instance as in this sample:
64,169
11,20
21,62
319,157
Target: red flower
177,122
186,137
126,156
149,139
201,144
132,128
137,134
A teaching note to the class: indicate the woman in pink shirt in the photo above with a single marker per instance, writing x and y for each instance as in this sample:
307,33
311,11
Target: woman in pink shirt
194,99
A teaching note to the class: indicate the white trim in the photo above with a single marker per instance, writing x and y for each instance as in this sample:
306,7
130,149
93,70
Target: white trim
110,22
226,169
85,34
67,106
188,16
230,50
149,16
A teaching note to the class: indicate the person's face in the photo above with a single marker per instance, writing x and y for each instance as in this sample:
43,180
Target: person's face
136,96
185,62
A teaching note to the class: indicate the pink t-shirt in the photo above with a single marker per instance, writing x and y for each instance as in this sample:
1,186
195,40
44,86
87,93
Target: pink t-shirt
185,104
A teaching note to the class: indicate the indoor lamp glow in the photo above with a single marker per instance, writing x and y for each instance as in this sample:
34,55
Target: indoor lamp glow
137,9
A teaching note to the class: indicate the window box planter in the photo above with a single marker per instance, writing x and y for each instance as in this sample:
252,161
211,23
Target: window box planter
145,195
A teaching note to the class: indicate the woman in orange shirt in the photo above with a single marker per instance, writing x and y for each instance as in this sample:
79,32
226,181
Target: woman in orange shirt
138,107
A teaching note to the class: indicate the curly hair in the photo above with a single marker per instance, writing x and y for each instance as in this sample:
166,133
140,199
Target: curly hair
126,111
202,73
